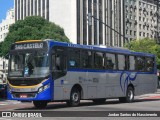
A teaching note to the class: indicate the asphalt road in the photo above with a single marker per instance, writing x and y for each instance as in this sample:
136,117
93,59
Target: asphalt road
149,103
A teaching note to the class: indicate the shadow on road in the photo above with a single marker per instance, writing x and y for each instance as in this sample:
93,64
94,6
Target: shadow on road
3,99
55,105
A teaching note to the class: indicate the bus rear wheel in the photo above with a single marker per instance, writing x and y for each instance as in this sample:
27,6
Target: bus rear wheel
129,96
40,104
74,98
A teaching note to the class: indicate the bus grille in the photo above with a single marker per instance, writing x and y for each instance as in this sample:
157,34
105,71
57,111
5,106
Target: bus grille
29,95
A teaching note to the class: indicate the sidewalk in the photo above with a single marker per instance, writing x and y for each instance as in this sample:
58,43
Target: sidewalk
155,95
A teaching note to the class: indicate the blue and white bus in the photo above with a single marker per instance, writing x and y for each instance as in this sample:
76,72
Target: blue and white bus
46,71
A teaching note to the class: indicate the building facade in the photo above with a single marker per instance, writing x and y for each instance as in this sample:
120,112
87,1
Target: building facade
105,26
4,29
4,26
141,19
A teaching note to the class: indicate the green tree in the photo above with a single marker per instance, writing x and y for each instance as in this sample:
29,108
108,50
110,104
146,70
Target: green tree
146,45
32,28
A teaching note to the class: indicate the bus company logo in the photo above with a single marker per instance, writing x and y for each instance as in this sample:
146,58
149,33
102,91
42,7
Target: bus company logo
125,78
6,114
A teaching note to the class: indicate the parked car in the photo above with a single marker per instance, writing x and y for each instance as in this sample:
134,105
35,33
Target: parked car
3,91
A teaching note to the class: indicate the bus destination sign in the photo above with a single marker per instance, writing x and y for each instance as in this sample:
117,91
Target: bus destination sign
29,46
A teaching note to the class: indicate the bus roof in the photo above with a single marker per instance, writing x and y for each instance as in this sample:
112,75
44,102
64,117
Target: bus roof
102,48
91,47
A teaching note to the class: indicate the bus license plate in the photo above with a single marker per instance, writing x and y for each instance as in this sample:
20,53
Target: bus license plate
23,96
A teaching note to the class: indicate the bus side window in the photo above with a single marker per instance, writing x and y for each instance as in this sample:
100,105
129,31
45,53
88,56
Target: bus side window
86,59
99,60
132,63
140,63
149,64
74,58
110,61
121,62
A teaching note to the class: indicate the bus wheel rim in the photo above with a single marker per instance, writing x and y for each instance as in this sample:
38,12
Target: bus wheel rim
75,97
130,94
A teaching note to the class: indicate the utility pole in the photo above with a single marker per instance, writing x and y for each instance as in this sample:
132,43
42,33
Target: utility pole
90,23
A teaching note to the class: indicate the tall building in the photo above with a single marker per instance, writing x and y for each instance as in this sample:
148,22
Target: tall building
4,28
141,19
105,26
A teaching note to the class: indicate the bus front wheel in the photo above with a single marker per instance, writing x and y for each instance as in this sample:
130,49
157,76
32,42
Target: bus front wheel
74,98
40,104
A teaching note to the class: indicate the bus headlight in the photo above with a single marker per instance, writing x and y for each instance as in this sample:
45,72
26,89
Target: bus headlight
43,88
46,86
40,89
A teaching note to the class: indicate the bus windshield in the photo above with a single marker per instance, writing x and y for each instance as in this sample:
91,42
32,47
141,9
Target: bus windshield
29,64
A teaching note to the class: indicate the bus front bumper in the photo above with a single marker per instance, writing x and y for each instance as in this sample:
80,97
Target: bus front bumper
30,96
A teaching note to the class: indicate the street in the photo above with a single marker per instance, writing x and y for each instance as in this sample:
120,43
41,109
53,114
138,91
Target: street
148,102
110,105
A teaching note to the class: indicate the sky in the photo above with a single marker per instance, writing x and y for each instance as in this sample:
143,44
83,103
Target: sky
5,5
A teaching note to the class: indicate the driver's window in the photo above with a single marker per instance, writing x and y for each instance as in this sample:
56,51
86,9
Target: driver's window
58,62
59,59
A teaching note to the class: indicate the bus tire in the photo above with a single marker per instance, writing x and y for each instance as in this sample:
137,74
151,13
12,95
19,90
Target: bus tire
130,95
99,101
40,104
74,98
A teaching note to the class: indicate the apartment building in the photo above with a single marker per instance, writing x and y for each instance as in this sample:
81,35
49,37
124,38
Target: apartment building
141,19
4,28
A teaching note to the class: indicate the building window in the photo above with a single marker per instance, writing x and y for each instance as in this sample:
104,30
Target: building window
32,7
35,7
140,33
144,34
143,26
130,32
127,32
140,26
39,7
29,7
43,9
144,19
21,9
